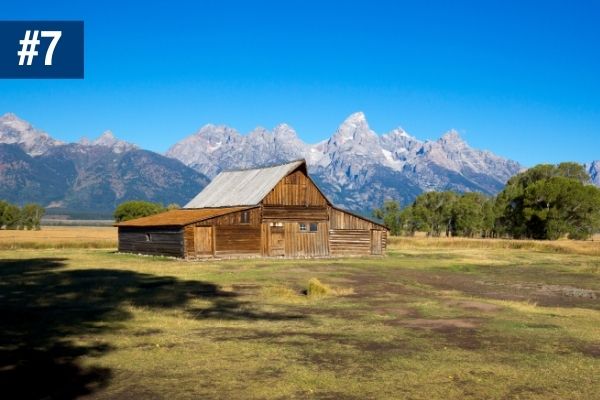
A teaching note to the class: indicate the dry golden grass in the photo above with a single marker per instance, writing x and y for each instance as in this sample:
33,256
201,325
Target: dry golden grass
589,247
60,237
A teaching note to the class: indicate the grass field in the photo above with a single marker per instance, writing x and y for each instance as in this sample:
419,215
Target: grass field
451,319
60,237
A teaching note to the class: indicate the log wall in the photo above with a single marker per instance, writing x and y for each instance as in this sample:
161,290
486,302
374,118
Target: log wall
343,220
349,241
155,241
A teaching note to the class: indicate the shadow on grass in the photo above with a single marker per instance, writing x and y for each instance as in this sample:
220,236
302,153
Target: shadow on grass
48,314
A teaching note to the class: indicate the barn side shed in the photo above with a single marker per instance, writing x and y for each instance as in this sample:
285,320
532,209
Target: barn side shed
275,211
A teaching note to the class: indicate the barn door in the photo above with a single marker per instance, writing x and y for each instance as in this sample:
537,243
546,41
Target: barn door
203,241
376,241
277,241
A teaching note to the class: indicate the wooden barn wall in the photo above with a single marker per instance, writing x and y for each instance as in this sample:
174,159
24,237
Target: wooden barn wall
234,219
350,241
237,239
342,220
188,239
295,213
306,244
295,189
152,240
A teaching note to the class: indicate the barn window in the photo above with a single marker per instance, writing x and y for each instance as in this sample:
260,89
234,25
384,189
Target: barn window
245,217
314,227
303,227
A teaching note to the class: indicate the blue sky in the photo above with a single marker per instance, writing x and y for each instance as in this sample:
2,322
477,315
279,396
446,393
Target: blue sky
522,80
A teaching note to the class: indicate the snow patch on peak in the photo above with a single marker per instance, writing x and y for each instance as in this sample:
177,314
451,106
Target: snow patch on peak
356,118
451,136
108,139
14,130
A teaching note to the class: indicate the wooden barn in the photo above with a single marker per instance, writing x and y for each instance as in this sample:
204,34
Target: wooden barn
276,211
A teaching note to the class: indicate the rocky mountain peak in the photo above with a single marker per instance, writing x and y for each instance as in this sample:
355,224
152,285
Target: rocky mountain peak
451,137
108,139
14,130
354,129
284,131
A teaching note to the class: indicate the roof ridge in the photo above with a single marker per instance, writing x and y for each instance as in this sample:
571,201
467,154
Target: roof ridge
265,166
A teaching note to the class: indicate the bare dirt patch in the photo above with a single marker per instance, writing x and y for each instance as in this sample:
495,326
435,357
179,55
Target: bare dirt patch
592,350
441,324
474,305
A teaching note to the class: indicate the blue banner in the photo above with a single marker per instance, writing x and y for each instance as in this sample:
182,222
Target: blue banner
41,49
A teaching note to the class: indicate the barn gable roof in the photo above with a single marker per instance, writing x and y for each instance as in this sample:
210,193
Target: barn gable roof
180,217
244,187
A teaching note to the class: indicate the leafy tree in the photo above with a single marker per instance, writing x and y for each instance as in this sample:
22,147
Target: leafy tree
11,216
390,215
467,215
3,205
136,209
433,212
546,202
489,218
31,216
561,206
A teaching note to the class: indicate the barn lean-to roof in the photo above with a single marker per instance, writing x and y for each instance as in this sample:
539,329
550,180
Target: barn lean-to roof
244,187
180,217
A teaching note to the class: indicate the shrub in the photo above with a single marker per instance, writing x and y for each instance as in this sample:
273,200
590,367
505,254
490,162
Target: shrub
317,288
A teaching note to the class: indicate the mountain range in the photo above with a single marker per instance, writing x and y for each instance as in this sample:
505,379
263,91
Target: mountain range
86,176
356,167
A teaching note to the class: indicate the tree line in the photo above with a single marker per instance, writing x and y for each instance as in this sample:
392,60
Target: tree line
14,217
543,202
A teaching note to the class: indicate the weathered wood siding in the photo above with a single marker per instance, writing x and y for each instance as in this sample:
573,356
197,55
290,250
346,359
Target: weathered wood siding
237,239
295,213
189,242
230,237
343,220
153,240
234,219
306,244
351,235
349,241
295,189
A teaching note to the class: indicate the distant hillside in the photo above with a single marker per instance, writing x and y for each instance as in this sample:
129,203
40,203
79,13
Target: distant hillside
87,176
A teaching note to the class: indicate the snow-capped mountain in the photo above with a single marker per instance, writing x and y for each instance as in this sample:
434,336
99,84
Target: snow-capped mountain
14,130
357,167
223,147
